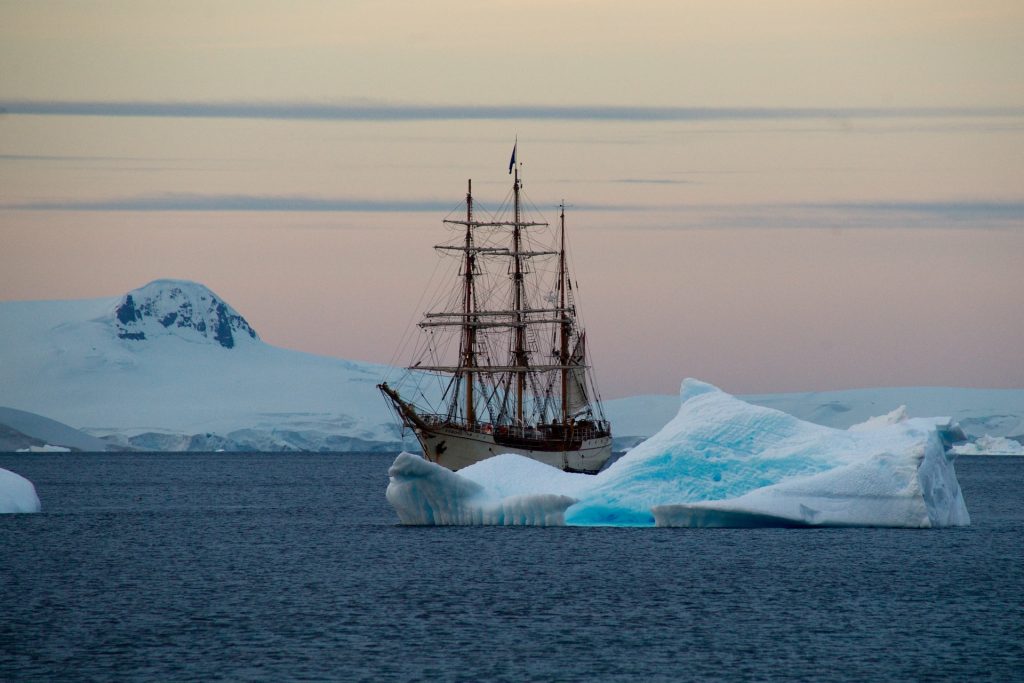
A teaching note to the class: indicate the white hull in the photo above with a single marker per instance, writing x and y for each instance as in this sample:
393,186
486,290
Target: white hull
455,448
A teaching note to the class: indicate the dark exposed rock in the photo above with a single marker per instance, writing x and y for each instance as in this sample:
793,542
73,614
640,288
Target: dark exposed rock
223,334
127,312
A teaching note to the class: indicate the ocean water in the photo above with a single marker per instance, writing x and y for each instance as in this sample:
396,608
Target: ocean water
292,567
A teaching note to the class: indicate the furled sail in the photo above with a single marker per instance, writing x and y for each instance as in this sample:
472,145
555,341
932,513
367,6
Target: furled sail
576,398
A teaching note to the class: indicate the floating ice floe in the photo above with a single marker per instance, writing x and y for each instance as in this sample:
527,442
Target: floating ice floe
17,494
720,462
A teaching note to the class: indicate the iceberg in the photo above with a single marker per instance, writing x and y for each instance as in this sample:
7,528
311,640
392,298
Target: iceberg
720,462
17,494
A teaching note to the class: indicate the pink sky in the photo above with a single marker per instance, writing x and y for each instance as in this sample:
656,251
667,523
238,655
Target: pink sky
801,195
752,309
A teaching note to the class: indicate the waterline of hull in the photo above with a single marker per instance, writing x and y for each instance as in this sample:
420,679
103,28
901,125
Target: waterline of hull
454,448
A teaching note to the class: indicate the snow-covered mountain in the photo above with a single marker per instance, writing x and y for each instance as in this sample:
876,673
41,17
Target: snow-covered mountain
183,309
172,366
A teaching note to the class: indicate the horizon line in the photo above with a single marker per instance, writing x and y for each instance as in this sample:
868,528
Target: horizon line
424,112
959,213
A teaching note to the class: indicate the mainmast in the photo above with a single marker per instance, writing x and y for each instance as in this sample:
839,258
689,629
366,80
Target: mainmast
469,328
519,348
564,331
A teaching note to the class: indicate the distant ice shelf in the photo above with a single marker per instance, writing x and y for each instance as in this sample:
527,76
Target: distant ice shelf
990,445
720,462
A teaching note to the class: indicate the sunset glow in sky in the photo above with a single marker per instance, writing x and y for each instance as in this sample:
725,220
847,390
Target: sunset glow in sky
771,196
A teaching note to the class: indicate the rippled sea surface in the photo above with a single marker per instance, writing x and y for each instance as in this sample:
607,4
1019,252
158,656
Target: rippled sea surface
292,567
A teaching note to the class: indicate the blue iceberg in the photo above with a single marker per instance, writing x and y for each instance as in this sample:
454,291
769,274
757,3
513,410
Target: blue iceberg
720,462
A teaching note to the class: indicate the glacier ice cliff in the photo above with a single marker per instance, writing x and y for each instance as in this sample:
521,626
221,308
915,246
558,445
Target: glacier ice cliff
720,462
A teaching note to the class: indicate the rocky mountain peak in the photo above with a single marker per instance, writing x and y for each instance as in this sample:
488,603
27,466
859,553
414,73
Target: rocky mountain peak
180,308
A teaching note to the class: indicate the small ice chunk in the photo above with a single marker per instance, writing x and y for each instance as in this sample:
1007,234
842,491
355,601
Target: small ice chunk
17,494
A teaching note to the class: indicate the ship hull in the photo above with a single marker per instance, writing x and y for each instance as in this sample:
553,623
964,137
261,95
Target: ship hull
456,448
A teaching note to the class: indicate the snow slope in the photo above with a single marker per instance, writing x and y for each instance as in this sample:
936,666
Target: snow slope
171,366
718,462
42,431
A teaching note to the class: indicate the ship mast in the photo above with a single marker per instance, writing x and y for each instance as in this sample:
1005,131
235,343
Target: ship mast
519,349
564,332
505,325
469,329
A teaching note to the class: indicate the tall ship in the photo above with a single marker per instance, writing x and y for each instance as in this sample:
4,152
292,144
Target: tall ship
500,362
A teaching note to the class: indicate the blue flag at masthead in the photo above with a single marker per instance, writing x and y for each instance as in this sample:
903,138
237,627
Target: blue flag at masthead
512,161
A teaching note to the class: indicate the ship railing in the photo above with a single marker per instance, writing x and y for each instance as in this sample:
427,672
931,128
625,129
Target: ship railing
584,430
